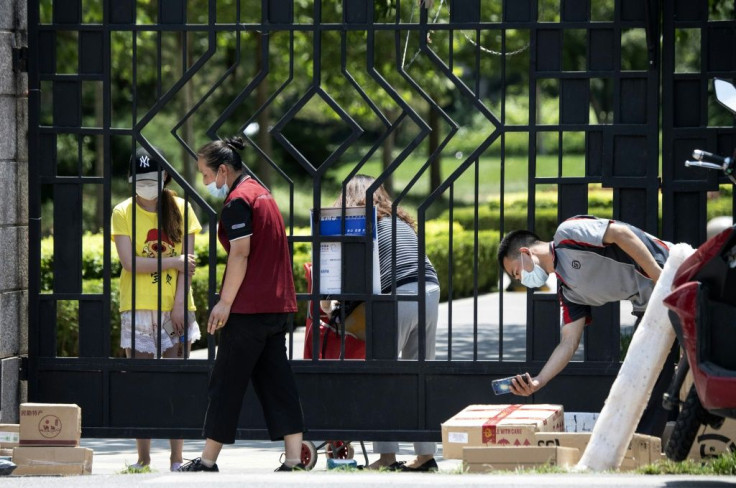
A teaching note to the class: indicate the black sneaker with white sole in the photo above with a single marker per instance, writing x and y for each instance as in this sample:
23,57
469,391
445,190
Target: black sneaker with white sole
196,465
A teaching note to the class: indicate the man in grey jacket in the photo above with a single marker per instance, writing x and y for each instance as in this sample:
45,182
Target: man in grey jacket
597,261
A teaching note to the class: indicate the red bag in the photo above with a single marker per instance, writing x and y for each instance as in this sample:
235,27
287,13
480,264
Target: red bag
329,338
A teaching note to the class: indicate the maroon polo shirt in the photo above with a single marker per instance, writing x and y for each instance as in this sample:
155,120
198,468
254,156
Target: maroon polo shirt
251,212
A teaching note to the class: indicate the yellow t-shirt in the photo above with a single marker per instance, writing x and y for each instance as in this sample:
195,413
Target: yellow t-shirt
145,244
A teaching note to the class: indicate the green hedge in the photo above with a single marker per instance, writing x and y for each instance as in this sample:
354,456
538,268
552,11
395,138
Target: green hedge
600,203
437,238
437,245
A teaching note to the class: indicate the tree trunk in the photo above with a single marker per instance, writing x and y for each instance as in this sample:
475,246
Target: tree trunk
435,171
261,166
538,118
387,155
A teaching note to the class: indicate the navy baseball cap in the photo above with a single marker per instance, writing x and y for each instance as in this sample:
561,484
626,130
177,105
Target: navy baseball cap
145,165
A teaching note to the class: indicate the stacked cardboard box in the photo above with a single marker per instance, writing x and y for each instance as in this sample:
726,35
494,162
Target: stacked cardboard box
485,459
497,425
8,439
710,442
507,437
642,449
49,441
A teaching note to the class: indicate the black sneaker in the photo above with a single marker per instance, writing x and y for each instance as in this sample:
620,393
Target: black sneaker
297,467
196,465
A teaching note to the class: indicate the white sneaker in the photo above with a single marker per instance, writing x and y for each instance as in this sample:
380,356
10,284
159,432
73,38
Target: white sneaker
175,466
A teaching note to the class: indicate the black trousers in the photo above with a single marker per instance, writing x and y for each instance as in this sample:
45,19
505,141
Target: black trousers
253,348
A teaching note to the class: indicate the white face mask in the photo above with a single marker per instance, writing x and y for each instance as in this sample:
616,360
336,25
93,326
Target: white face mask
147,190
535,278
221,192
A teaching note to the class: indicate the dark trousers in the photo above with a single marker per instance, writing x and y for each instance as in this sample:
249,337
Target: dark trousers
253,348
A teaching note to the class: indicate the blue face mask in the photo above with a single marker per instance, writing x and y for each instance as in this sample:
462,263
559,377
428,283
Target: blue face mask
221,192
535,278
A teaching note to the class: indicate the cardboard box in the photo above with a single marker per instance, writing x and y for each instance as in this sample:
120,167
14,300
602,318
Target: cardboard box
484,459
503,425
52,461
580,421
710,442
9,435
48,424
643,449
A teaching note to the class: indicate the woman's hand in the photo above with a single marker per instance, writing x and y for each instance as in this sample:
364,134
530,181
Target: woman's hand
177,317
185,263
218,317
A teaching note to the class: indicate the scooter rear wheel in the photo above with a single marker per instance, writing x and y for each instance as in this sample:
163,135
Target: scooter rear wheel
691,417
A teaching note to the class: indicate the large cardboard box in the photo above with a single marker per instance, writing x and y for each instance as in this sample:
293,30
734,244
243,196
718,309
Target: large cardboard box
52,461
484,459
710,442
643,449
503,425
9,435
49,424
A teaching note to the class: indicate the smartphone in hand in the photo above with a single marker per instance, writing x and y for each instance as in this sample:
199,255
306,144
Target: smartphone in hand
168,326
503,385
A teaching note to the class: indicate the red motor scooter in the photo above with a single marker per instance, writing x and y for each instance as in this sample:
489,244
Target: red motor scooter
703,312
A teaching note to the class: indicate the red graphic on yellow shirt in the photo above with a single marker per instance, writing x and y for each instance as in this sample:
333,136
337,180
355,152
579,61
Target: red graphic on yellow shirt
151,249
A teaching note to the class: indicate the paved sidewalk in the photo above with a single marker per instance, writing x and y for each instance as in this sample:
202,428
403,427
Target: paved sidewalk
243,457
253,462
463,312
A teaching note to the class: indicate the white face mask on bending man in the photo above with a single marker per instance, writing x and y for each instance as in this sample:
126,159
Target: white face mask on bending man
535,278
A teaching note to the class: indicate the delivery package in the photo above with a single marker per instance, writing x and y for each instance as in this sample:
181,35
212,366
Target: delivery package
52,461
710,442
50,424
502,425
642,450
9,435
505,458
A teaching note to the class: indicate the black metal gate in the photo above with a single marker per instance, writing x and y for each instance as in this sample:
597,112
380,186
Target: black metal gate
106,76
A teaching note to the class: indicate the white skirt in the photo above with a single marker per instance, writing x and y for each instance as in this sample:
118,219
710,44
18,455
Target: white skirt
146,326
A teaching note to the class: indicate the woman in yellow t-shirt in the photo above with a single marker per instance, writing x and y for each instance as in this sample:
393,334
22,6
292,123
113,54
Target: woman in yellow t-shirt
151,238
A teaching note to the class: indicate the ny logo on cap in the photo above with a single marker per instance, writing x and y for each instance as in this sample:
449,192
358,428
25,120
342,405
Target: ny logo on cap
143,161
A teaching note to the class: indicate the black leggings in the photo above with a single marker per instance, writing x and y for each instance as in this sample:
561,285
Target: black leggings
253,347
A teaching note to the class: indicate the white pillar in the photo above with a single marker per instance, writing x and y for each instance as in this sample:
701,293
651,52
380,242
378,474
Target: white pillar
630,392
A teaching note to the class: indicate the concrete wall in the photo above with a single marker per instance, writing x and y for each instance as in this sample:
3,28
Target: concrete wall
13,208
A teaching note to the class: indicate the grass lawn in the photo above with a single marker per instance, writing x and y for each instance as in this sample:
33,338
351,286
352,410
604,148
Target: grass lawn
489,178
489,171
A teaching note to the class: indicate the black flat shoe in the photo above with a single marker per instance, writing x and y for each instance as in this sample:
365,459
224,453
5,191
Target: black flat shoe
297,467
428,466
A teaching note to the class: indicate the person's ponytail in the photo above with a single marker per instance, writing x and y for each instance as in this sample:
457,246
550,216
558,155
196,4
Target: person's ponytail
171,218
224,151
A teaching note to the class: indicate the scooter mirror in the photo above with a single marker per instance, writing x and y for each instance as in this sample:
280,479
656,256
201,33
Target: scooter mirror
726,94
